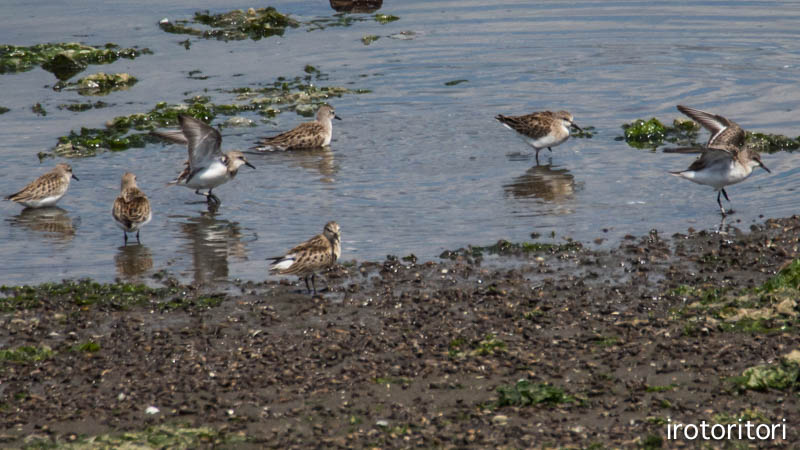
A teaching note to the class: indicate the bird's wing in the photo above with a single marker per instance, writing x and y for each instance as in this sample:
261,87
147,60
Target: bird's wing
723,131
710,157
44,186
173,136
204,141
535,125
305,135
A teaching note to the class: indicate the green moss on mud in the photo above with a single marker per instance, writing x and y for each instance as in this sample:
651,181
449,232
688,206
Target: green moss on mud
769,308
176,436
525,393
25,354
62,59
79,293
782,375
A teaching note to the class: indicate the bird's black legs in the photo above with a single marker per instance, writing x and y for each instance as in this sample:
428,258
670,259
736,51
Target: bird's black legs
211,197
137,238
125,233
719,202
308,288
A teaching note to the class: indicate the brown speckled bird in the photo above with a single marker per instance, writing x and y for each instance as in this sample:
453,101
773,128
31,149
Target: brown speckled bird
540,130
306,135
131,208
317,253
46,190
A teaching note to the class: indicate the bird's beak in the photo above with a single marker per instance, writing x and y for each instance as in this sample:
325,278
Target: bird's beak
76,178
576,126
337,117
249,165
764,167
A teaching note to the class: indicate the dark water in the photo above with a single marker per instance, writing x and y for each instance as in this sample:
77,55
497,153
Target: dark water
417,166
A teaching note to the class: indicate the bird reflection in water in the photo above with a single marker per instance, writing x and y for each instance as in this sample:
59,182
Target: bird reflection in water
548,183
317,160
210,242
51,222
356,6
133,261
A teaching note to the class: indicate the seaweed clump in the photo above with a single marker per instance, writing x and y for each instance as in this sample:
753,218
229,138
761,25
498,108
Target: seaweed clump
64,60
99,83
234,25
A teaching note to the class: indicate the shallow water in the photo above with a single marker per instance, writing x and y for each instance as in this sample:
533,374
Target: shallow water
416,166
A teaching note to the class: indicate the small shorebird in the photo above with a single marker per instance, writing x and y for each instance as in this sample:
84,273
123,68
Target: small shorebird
722,166
724,160
544,129
306,135
46,190
131,208
317,253
207,167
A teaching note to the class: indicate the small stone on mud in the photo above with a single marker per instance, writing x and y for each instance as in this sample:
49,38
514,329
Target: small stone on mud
500,419
151,410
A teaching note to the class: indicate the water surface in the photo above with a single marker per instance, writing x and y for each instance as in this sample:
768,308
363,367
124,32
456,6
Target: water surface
417,166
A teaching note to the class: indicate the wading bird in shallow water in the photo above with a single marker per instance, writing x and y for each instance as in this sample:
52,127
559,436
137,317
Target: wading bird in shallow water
306,135
319,252
720,167
131,208
540,130
207,167
46,190
724,160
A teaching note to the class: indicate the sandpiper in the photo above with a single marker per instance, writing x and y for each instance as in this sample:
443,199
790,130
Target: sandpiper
720,166
306,135
131,208
207,167
317,253
543,129
46,190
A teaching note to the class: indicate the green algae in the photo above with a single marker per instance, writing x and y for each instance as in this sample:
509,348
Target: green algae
80,107
645,133
587,132
769,308
4,110
782,375
526,393
26,354
174,436
771,143
39,110
64,60
385,18
80,293
89,346
299,94
99,83
684,132
234,25
369,39
455,82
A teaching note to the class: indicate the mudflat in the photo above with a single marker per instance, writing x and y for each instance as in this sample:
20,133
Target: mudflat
514,345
